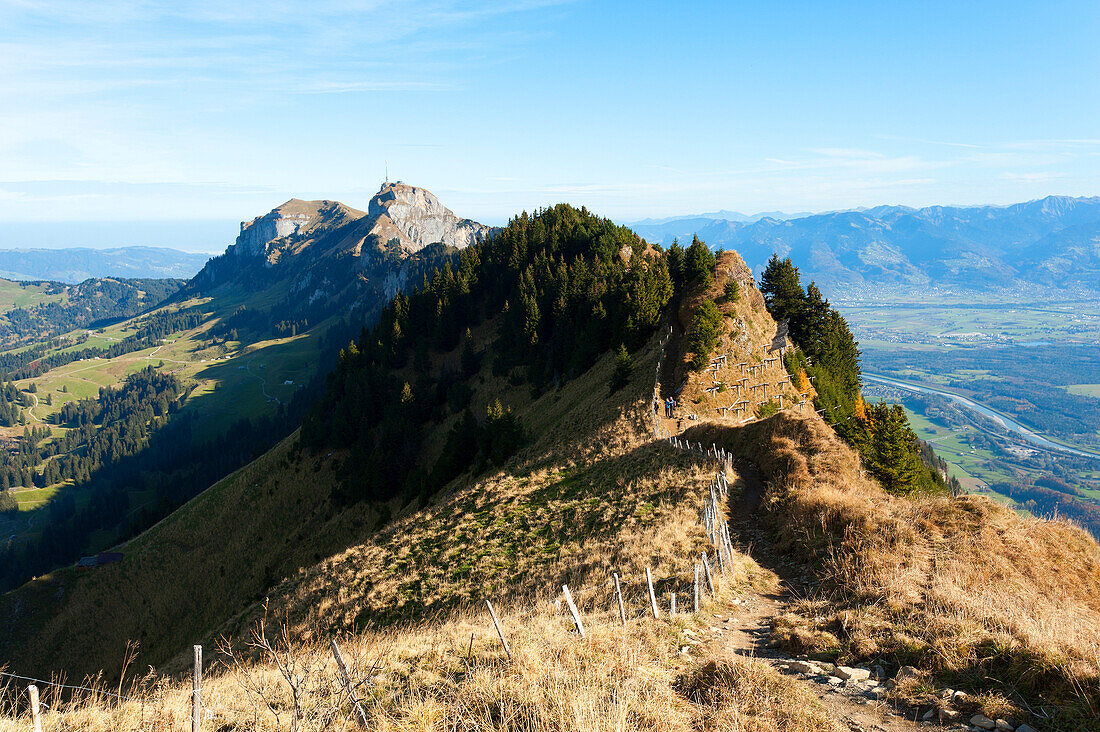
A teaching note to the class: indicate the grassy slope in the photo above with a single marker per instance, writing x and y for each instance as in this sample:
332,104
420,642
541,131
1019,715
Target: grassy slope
240,380
969,591
582,497
975,594
220,552
591,493
25,295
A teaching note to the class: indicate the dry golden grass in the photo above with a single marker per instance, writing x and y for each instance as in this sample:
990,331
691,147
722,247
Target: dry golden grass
983,598
748,329
454,675
975,595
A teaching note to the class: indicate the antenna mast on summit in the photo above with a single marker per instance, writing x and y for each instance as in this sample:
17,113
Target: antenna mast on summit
387,171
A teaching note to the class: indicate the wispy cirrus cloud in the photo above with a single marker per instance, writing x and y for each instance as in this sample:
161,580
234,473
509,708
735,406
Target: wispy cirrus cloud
330,46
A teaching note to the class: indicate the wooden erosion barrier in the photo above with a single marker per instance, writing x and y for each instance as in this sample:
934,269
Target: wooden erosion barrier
619,597
652,594
496,624
345,679
706,569
695,587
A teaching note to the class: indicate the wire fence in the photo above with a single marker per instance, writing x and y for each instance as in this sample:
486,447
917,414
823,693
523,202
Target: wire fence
711,518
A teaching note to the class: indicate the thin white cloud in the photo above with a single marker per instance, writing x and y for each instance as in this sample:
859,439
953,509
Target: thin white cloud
351,87
921,141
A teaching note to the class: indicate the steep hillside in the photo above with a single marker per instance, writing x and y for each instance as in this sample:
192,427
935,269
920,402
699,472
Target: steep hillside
278,516
34,312
1052,242
247,340
527,453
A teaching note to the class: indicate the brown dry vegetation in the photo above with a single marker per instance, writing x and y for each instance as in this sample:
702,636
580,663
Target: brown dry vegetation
748,329
454,675
981,598
975,595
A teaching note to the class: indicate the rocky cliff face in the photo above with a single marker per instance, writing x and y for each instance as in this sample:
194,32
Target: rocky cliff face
317,258
399,218
419,219
295,222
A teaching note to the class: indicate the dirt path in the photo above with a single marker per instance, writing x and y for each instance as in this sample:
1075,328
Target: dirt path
263,382
743,627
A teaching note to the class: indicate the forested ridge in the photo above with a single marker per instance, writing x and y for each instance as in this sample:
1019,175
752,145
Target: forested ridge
562,286
84,305
547,295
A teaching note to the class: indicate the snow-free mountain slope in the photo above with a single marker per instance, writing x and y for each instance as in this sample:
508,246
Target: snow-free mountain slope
1053,242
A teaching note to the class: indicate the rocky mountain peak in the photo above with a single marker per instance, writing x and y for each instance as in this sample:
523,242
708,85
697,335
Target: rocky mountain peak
415,218
399,217
294,219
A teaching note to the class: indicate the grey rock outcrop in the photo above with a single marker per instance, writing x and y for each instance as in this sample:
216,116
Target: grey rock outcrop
420,219
318,258
400,219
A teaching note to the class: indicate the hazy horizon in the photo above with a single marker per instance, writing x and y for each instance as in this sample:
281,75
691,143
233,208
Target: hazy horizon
212,236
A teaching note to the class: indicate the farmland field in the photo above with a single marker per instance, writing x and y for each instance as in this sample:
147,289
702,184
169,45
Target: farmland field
1038,363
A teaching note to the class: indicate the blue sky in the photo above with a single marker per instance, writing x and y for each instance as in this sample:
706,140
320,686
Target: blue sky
215,111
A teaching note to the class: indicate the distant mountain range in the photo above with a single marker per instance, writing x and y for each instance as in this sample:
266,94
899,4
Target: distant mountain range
81,263
1049,243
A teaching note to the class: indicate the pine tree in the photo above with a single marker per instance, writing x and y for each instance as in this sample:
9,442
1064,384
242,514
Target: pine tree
703,337
894,460
782,290
675,258
699,264
624,369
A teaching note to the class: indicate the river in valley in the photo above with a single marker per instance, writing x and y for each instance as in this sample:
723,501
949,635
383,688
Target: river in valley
1005,421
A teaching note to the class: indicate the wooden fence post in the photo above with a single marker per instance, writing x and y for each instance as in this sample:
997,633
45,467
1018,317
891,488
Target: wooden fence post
619,597
345,678
573,610
36,715
652,594
696,587
706,570
196,692
496,624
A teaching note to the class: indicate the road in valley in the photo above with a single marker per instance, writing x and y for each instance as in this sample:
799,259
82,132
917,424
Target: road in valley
1002,419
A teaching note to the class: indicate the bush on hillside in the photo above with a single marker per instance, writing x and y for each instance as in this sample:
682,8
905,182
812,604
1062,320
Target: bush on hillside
703,338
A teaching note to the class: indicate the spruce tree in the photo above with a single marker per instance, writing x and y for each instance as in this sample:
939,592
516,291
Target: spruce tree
699,263
782,290
624,369
894,459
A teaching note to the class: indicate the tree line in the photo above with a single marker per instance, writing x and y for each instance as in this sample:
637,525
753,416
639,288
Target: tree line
552,290
84,305
828,352
151,330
